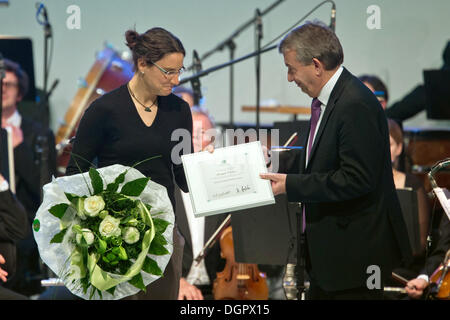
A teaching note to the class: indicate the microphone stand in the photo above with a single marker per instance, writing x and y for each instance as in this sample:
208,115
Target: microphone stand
230,44
47,36
259,36
41,147
224,65
195,83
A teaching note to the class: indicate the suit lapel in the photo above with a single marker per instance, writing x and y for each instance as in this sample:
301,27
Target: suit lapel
334,97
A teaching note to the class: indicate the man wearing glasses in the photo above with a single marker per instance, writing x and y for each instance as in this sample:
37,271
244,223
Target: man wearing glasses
25,135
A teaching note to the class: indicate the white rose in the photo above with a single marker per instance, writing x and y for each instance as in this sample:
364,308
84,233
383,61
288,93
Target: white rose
109,227
93,205
130,235
87,235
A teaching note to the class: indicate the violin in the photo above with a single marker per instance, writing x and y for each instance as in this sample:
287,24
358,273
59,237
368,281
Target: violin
238,281
440,281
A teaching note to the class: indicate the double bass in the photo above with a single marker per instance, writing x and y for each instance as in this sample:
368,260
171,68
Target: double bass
238,281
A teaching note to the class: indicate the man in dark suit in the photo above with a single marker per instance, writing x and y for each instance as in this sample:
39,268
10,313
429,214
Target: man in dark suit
355,232
197,280
33,169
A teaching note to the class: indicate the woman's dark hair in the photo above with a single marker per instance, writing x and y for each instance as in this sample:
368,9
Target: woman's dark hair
21,75
395,131
376,84
152,45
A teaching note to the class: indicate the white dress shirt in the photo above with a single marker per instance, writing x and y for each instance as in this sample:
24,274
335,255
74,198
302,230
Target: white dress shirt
323,97
197,274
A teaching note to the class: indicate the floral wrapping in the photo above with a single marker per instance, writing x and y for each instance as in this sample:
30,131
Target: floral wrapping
107,233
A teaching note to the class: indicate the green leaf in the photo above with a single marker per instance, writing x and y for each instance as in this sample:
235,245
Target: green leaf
134,188
111,290
58,238
157,249
59,210
96,180
73,198
160,225
159,239
138,282
101,246
150,266
122,254
115,185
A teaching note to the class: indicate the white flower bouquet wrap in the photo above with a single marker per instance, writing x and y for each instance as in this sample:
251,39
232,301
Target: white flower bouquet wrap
106,233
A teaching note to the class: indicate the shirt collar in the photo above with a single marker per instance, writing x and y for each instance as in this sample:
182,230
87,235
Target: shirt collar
325,93
15,120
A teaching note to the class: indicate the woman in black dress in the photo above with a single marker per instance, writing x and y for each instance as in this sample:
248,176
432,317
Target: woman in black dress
136,122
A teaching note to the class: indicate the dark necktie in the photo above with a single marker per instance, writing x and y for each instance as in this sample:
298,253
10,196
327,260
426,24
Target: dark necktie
315,115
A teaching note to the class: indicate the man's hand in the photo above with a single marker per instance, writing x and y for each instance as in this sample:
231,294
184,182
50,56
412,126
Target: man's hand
278,182
3,273
188,291
415,287
210,146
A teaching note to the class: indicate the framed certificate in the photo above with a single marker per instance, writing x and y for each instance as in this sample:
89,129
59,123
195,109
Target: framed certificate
227,179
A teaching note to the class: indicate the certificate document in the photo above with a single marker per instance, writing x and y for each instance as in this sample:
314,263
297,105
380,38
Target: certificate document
227,179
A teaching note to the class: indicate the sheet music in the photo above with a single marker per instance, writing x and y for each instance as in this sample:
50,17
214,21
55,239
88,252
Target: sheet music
444,198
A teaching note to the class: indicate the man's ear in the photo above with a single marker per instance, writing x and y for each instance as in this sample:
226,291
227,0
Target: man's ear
318,66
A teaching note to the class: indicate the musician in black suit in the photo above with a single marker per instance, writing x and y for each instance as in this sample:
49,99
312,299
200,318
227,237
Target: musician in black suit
30,167
13,227
416,287
197,280
355,232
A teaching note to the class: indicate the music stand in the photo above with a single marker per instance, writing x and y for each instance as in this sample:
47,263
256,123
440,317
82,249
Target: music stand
266,235
287,128
437,94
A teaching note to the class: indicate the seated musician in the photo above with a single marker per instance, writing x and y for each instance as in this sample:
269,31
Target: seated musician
197,279
406,180
416,288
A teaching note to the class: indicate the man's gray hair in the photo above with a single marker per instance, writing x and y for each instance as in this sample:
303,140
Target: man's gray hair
314,40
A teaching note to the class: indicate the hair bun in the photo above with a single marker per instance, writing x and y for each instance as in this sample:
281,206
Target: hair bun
131,36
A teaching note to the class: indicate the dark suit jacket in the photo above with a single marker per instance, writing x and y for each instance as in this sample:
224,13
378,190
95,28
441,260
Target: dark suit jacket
353,216
213,262
13,227
443,245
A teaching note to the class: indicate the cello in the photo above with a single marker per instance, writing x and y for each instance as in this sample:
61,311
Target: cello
238,281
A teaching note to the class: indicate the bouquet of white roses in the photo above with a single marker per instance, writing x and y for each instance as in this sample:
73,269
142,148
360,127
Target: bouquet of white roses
105,243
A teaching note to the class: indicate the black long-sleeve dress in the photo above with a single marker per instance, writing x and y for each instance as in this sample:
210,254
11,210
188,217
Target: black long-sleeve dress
112,132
